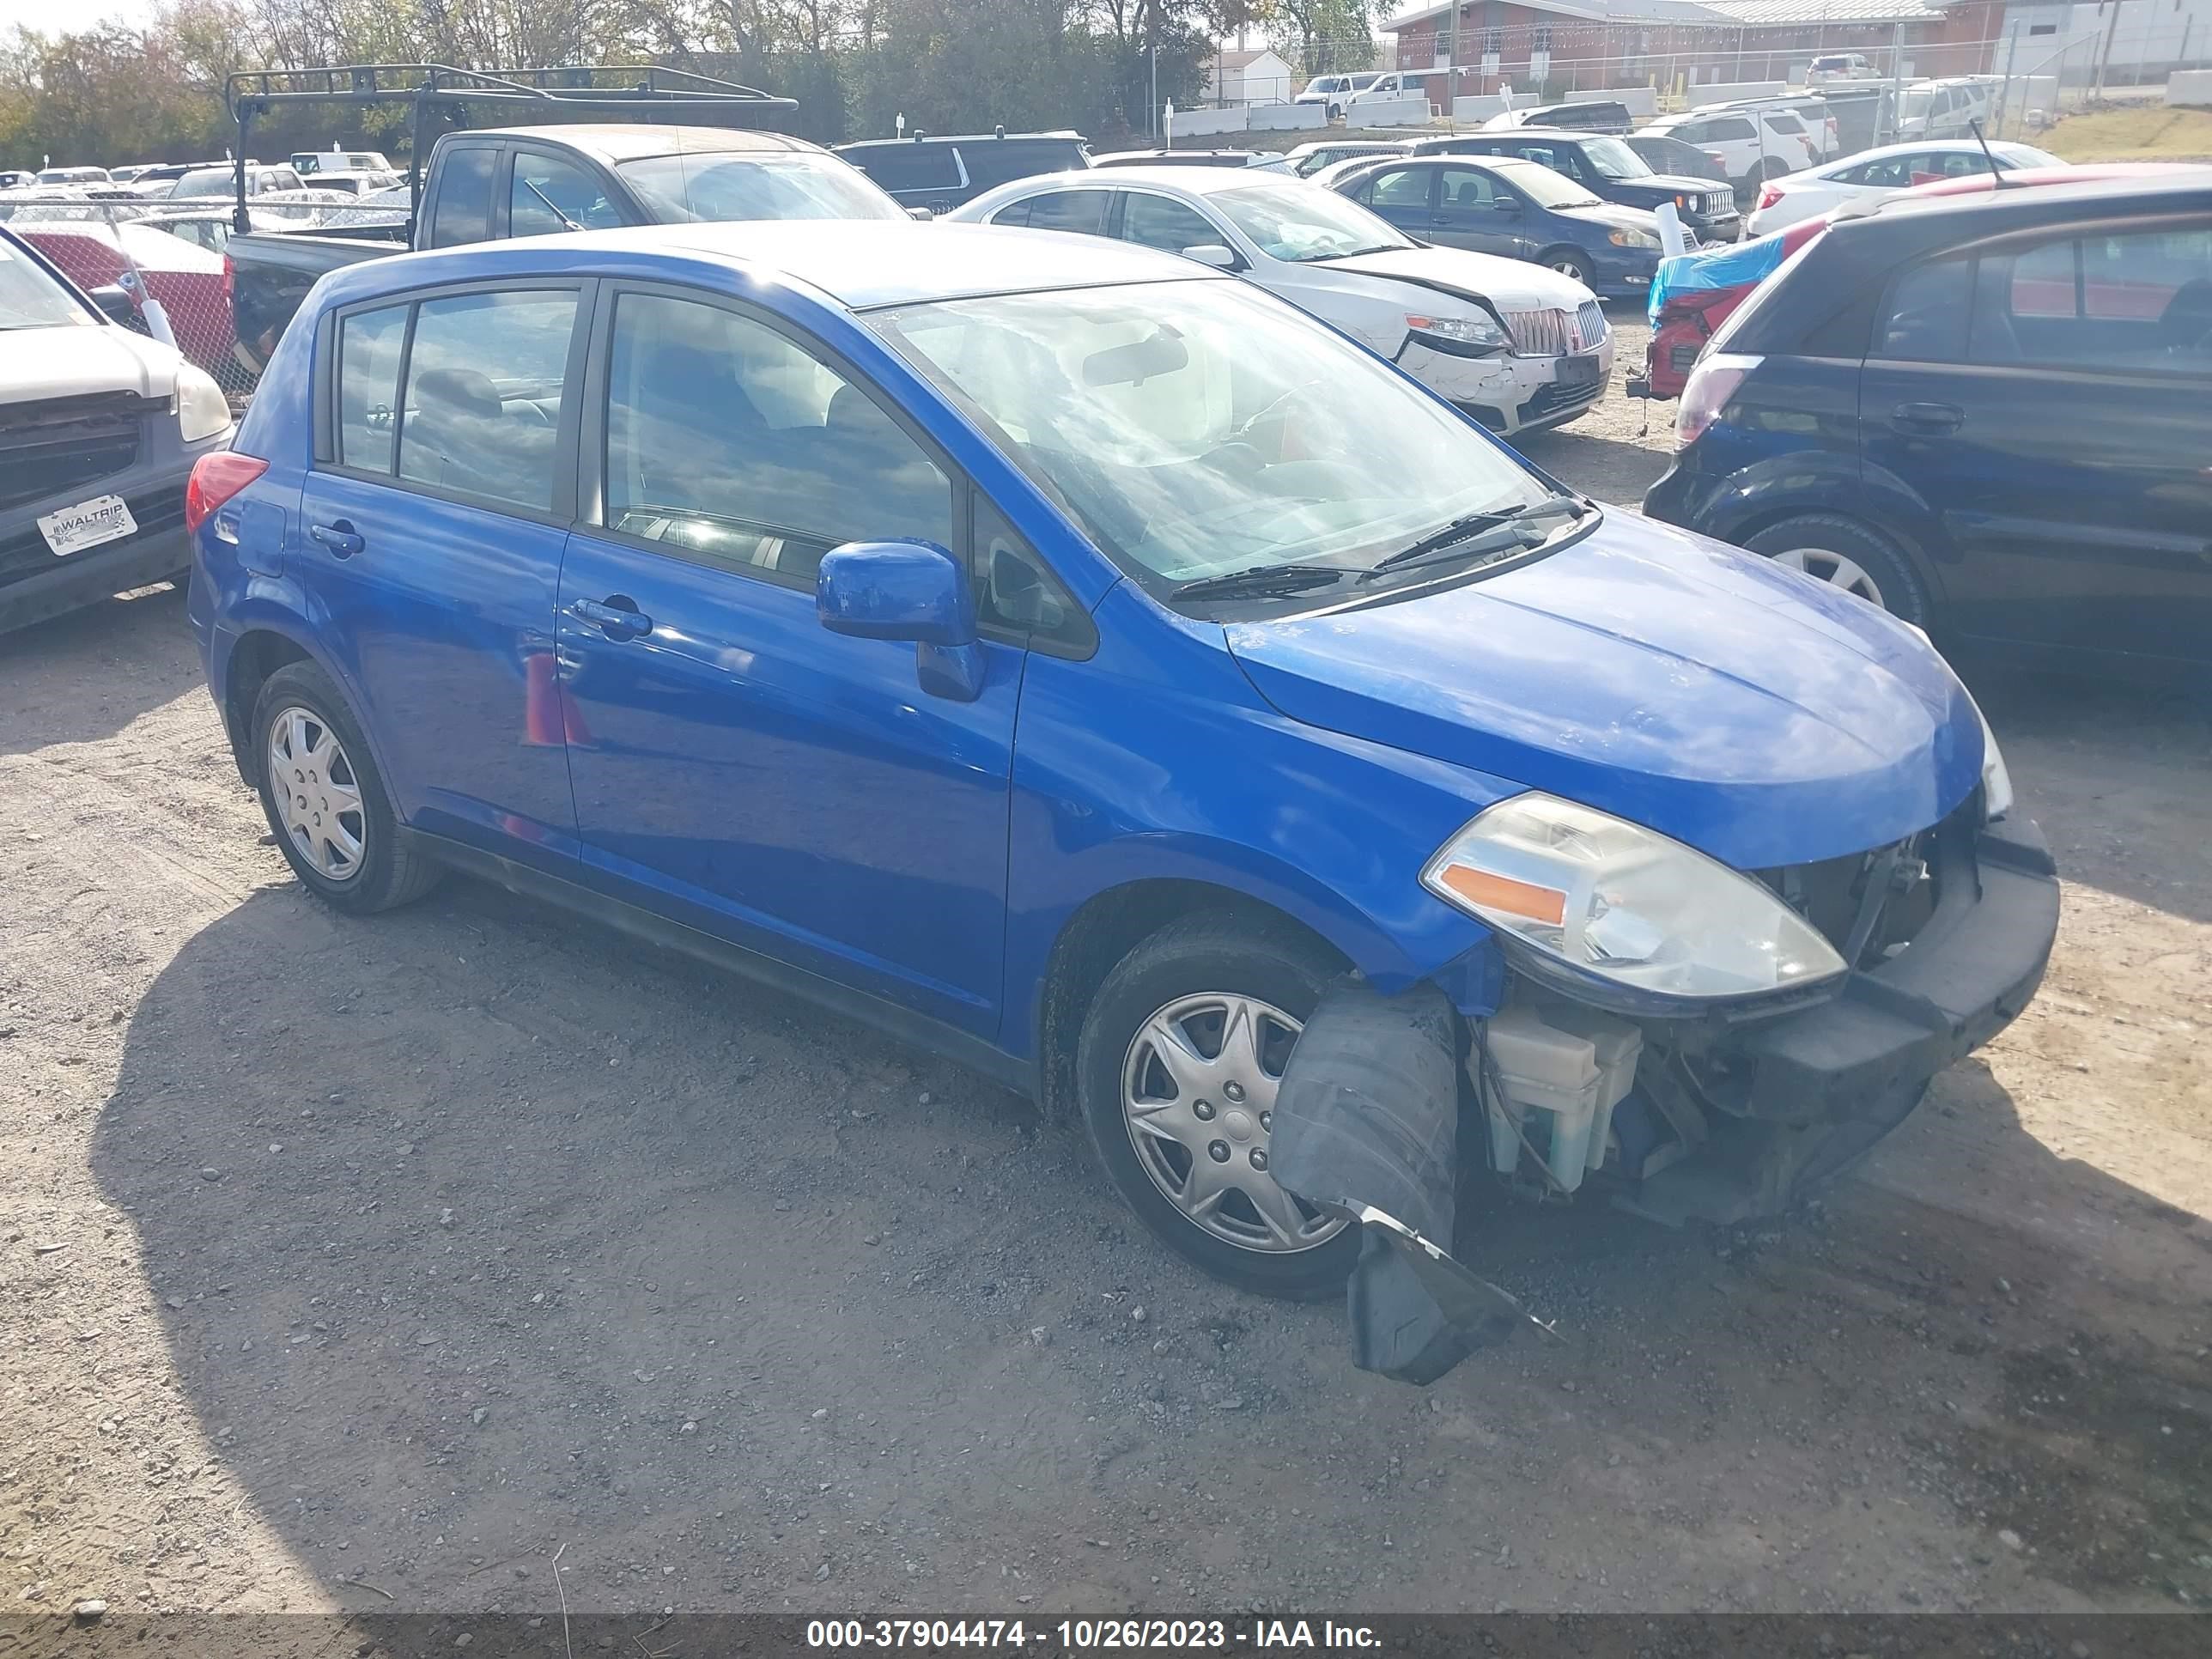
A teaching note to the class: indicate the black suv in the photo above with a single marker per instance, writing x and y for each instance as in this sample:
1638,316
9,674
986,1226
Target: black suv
1607,168
940,173
1990,414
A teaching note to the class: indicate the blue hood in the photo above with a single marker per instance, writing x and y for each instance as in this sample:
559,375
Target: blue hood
1756,714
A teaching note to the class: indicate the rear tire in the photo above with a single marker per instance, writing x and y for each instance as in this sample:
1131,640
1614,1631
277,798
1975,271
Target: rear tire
1170,982
329,813
1845,554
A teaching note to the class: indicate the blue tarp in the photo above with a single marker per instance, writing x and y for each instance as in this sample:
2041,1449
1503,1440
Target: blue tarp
1734,265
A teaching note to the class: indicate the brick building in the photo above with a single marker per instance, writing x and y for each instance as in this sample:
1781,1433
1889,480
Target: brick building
1552,46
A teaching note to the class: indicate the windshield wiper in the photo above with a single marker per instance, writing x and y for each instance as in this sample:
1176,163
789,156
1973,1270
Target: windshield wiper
1463,530
1262,579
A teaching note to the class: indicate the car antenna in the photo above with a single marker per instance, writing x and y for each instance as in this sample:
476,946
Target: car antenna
1997,173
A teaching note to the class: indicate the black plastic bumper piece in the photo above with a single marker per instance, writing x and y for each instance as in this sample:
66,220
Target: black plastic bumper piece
1967,975
88,578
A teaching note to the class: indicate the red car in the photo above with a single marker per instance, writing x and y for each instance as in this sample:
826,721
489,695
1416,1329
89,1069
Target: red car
187,280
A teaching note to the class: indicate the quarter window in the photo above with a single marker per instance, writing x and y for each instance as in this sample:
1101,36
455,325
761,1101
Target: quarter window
734,443
1925,321
369,344
491,435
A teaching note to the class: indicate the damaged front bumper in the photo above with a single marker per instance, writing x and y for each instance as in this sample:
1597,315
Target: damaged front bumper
1720,1117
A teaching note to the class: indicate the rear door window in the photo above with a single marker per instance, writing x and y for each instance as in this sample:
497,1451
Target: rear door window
1080,210
486,382
1924,318
1402,187
462,212
1157,222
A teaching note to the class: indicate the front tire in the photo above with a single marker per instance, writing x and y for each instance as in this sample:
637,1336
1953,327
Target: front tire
1176,1070
1570,264
1844,554
324,801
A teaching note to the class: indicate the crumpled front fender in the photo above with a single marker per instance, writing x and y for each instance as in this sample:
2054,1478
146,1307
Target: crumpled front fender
1367,1120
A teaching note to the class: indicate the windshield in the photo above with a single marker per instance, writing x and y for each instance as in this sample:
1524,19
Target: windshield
1303,223
1613,159
1547,189
1194,429
746,184
211,181
29,298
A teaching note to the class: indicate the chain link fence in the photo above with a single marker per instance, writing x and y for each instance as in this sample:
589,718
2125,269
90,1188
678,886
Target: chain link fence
167,256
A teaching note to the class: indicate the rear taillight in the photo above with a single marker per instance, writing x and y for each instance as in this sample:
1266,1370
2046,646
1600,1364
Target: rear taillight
1769,195
1711,384
216,476
230,278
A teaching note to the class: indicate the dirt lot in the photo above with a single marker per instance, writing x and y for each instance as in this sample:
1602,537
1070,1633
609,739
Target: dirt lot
346,1262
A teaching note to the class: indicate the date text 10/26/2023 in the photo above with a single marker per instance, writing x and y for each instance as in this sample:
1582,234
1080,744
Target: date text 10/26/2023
1091,1634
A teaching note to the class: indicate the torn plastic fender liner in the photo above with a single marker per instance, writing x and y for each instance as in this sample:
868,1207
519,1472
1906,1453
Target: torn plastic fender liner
1367,1120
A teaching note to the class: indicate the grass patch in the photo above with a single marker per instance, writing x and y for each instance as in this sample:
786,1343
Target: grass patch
2149,132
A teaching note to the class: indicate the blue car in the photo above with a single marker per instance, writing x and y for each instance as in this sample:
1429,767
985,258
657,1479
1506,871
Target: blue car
1070,659
1504,206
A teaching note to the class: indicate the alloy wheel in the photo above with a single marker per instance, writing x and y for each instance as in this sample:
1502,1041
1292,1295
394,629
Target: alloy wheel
1824,565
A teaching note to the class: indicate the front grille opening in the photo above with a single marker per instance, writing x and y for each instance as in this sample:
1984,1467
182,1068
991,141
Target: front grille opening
61,444
1881,897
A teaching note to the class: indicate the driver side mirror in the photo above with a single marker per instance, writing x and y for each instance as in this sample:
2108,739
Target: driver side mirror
1214,254
1507,204
906,591
922,213
114,302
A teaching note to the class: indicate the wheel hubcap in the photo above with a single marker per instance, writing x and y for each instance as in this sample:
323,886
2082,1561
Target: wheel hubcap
1823,565
1198,1094
317,793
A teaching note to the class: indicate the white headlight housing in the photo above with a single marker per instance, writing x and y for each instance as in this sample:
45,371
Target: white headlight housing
202,412
1996,781
1594,897
1465,334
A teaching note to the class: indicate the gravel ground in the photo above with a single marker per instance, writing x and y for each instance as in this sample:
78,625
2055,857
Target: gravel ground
370,1265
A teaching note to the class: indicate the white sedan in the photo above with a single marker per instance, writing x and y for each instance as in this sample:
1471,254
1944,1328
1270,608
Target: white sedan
1871,174
1516,346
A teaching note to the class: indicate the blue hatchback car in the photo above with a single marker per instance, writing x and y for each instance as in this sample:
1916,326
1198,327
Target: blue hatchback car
1069,659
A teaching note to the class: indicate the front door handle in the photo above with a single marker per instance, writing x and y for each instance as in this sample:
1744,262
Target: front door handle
1928,419
340,536
616,617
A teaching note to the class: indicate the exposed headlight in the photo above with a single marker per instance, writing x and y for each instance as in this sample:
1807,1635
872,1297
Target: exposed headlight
1633,239
1996,781
201,410
1463,336
1595,897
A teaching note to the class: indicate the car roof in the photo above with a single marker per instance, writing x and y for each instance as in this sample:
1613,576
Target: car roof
626,140
1926,147
1162,175
1063,134
862,264
1993,212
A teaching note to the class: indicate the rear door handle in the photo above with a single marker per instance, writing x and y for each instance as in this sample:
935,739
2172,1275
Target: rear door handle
341,537
1929,418
616,617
